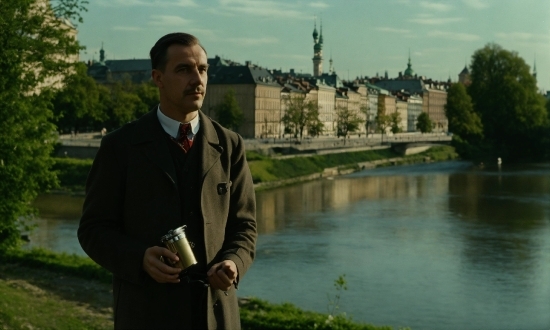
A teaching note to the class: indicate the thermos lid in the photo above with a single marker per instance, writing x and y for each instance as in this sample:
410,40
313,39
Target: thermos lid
173,234
179,231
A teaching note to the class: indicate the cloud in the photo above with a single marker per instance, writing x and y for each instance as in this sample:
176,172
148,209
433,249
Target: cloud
253,41
476,4
437,6
148,3
267,9
435,20
525,38
454,36
392,30
318,4
168,20
127,28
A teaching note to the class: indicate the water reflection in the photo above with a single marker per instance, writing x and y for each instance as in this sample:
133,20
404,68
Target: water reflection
430,247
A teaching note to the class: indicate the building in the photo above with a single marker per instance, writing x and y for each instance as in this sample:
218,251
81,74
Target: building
317,51
414,109
105,71
257,93
464,76
433,103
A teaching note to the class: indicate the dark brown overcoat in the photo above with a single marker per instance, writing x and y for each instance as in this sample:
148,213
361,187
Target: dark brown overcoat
132,200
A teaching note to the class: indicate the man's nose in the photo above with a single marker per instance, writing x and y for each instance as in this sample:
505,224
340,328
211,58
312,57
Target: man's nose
197,78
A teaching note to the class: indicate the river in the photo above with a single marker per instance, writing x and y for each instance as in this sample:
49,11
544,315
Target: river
433,246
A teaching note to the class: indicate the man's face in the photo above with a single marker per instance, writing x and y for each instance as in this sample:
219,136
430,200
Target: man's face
182,85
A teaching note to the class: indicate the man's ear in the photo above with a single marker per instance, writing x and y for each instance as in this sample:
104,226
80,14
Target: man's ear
156,75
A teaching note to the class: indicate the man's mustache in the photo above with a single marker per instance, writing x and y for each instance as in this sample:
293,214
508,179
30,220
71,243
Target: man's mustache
194,90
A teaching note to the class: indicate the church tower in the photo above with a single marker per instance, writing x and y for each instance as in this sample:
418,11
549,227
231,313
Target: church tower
317,51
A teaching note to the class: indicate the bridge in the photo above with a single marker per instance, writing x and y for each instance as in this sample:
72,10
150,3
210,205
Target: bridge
85,145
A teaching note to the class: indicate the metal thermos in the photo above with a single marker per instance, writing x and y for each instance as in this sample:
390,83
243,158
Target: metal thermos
176,242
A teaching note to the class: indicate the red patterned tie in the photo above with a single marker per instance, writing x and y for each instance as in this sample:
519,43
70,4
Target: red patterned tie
184,141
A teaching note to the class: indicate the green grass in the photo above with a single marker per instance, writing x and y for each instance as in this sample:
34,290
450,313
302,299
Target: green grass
69,264
265,169
260,315
24,306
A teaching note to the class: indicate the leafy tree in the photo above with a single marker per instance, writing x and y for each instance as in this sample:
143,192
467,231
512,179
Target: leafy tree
149,95
301,113
424,123
505,96
35,45
347,122
464,123
395,120
228,113
80,104
382,120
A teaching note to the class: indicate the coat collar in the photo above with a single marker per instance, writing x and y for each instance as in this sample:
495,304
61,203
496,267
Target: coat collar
151,137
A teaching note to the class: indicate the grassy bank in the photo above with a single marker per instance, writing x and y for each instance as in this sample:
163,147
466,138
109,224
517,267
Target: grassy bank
266,169
72,173
45,290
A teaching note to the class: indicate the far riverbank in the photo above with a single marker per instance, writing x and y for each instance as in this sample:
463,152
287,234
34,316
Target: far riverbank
268,171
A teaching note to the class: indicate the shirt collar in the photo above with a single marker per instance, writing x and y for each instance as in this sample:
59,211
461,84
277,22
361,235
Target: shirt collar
172,126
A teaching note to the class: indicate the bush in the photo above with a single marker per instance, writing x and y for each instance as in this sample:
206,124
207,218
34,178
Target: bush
72,172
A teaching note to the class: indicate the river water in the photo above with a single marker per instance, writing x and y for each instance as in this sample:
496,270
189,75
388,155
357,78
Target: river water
436,246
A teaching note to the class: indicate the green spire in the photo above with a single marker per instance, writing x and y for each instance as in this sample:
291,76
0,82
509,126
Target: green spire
409,71
315,34
321,35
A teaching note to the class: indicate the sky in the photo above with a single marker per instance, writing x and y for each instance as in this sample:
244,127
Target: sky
363,37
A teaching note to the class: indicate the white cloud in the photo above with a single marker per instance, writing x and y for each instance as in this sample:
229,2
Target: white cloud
267,8
476,4
127,28
392,30
253,41
454,35
318,4
437,6
148,3
435,20
167,20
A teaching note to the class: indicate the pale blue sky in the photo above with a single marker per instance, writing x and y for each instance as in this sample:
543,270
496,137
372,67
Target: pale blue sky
364,36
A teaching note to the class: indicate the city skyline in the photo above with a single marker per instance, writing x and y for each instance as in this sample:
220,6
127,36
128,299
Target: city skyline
363,38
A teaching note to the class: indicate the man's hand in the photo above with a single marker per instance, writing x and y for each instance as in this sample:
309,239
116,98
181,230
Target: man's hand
222,275
157,269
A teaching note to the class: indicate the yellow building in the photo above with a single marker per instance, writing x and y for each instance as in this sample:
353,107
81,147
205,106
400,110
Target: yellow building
257,93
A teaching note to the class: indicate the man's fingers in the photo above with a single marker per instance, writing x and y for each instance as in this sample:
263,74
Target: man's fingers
157,269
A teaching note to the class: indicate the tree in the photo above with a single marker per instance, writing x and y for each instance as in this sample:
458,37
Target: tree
80,104
424,123
464,123
228,113
395,120
505,97
301,113
347,122
36,42
382,120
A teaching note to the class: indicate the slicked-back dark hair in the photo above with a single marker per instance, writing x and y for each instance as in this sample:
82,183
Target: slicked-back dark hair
158,53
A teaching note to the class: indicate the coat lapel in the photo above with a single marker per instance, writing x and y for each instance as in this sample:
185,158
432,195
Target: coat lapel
150,137
211,150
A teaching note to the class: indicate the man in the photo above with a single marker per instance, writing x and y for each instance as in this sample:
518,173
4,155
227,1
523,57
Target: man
156,174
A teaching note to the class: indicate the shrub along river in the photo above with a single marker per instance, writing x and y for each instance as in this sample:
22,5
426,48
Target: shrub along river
437,246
